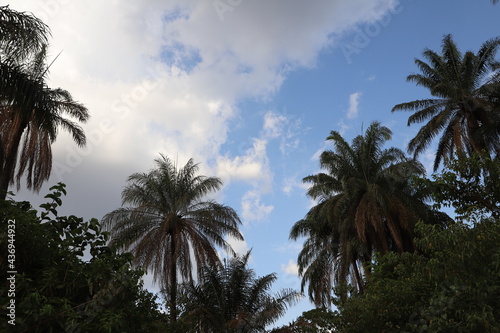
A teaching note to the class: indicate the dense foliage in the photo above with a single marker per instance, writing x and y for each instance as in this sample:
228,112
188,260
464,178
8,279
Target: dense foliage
374,247
468,185
451,284
68,279
232,299
318,320
366,202
170,226
31,113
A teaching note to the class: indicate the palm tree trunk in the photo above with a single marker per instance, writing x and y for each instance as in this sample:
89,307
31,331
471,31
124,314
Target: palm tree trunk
173,283
359,278
473,126
11,146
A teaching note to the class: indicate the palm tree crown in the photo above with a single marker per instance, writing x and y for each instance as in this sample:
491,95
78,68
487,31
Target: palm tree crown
465,110
169,224
21,34
365,203
231,299
31,115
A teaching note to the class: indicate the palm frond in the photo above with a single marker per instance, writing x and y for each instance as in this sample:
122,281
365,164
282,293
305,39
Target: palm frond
466,85
366,204
21,33
170,226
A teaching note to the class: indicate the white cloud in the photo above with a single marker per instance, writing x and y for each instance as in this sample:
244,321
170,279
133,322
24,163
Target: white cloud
252,208
290,248
288,185
327,145
291,268
343,127
284,128
239,246
352,112
166,76
274,125
291,183
251,167
427,159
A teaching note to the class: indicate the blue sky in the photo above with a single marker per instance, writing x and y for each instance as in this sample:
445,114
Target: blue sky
250,89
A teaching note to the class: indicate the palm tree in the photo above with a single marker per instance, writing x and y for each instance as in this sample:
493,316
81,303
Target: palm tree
169,227
465,106
21,37
31,115
366,204
231,299
21,34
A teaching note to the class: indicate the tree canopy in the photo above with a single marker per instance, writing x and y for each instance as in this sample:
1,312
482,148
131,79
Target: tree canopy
171,227
451,284
31,113
69,279
232,299
366,203
377,245
464,109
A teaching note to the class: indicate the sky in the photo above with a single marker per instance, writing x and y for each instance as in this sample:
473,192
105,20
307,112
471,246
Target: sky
249,89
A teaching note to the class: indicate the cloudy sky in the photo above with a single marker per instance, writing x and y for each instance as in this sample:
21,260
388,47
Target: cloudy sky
248,88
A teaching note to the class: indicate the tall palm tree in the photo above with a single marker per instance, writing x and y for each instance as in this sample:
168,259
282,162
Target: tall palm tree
232,299
31,115
366,204
169,226
464,109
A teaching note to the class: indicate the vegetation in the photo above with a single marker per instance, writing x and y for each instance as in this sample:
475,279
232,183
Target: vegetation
31,113
465,109
452,283
376,245
56,290
20,33
232,299
319,320
169,220
366,203
469,185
